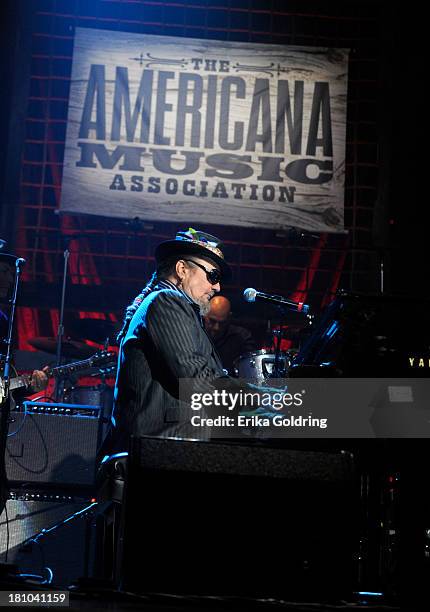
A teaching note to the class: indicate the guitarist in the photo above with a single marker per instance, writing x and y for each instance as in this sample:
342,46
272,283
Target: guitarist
38,379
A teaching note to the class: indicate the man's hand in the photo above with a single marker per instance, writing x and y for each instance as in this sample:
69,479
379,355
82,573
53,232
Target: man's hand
39,380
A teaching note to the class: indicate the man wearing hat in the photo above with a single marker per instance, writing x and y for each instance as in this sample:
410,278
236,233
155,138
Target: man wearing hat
163,340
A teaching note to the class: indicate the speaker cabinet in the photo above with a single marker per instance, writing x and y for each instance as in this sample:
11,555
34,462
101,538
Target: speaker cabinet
240,520
63,549
53,444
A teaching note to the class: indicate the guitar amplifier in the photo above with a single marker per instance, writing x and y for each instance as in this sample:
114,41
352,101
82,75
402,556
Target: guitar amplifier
40,531
53,444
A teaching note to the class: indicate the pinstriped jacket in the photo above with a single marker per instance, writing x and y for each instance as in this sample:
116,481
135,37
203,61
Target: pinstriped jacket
165,342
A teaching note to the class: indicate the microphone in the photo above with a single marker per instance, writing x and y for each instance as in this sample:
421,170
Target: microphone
251,295
20,262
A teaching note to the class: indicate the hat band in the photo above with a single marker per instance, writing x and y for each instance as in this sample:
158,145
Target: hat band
206,245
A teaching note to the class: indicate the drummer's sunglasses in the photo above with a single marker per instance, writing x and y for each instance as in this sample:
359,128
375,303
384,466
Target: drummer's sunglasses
214,276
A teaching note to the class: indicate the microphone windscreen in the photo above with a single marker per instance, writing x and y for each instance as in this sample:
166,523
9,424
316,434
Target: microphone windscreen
250,294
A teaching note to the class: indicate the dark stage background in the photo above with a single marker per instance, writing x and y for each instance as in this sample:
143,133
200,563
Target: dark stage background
110,259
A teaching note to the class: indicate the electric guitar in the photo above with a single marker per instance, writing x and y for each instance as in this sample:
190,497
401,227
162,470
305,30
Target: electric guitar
24,381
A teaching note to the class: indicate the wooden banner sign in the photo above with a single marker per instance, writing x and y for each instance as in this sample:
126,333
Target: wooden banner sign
189,130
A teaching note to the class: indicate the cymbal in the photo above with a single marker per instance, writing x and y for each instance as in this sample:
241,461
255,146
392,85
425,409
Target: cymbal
96,330
69,348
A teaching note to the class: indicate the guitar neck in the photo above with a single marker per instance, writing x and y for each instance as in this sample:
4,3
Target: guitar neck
19,381
77,366
64,370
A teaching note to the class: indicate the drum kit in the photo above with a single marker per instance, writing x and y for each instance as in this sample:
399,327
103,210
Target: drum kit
261,366
264,366
258,366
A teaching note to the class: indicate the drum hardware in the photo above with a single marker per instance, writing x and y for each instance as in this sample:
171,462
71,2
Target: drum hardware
295,334
268,364
278,371
60,330
86,395
100,396
259,366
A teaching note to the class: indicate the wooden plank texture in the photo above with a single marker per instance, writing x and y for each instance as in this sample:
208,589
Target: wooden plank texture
206,131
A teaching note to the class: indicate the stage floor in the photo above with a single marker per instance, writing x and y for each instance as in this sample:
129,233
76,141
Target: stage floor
118,601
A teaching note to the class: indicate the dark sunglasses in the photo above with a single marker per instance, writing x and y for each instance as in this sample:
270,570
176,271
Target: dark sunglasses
213,276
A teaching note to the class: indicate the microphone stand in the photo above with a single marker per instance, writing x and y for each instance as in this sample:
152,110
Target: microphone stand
276,367
60,331
278,371
381,274
5,405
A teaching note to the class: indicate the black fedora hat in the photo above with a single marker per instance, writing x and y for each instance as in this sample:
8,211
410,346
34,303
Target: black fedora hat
194,242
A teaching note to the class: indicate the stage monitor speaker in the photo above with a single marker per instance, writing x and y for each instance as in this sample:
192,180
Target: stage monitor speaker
65,550
239,519
53,444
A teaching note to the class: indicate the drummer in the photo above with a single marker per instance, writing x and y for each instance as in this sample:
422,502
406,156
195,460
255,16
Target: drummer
231,341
